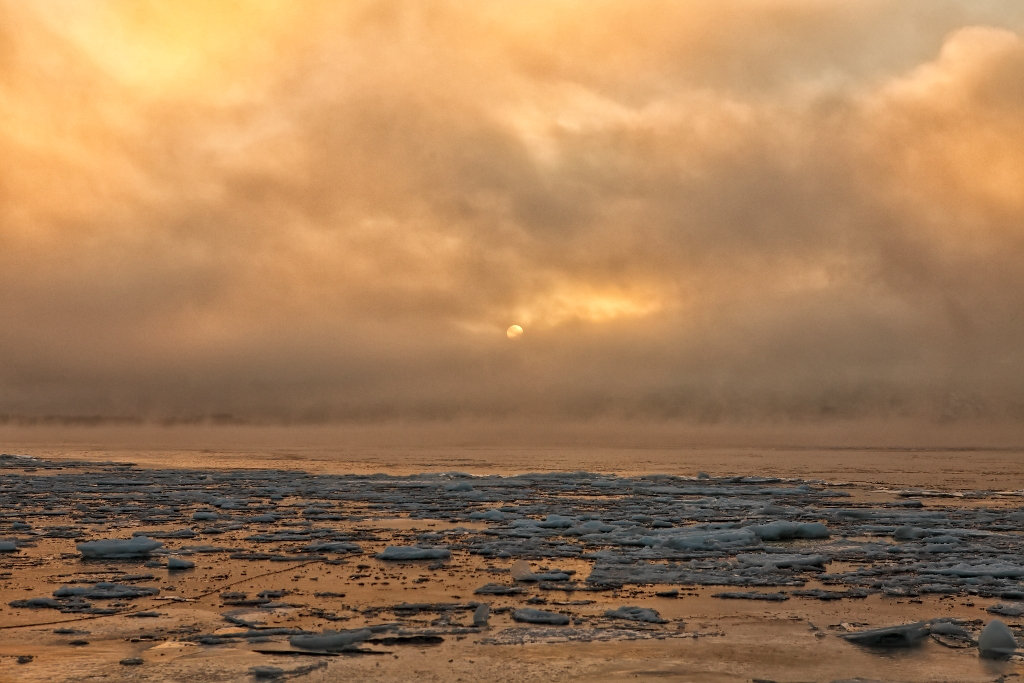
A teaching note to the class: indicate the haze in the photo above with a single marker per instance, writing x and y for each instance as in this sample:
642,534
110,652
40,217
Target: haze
315,211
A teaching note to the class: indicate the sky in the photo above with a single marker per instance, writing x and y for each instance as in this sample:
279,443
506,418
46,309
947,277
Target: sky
710,210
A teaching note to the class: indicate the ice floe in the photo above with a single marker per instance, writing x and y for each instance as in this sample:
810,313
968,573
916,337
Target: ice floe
137,546
890,636
521,572
752,595
537,616
330,640
628,613
393,552
996,640
178,564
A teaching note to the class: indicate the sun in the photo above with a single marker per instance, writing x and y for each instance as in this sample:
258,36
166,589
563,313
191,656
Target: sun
514,332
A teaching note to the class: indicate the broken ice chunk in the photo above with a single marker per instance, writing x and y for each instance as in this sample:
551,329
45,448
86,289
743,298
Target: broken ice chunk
711,538
497,589
396,553
554,521
105,591
493,515
593,526
139,546
996,640
539,616
781,561
332,547
176,563
752,595
1007,609
949,633
521,572
34,603
636,614
980,569
330,640
890,636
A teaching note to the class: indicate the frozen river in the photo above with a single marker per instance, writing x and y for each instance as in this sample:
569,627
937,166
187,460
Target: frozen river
218,556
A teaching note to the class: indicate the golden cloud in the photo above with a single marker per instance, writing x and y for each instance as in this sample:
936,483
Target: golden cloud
280,209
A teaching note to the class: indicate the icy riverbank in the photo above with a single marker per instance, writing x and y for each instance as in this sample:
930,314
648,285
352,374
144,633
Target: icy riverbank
414,561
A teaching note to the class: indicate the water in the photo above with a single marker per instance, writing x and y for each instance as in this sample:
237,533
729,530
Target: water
704,639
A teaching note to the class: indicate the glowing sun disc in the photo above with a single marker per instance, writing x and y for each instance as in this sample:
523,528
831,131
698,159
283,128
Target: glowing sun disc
514,331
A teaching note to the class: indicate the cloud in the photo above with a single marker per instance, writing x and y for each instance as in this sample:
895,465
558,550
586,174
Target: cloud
704,210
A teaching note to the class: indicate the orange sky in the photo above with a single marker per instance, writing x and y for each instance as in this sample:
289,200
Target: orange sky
314,210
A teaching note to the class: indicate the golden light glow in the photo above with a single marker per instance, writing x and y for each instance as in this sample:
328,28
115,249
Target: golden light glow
583,303
514,332
153,47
